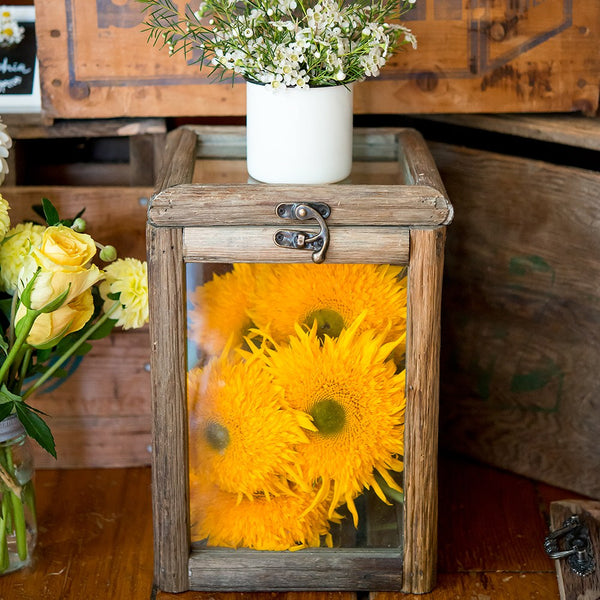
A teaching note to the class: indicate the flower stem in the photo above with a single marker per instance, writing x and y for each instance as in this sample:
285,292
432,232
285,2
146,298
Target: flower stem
4,562
13,512
29,318
49,372
20,527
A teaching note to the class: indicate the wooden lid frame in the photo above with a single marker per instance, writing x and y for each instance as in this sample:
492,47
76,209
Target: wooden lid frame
401,224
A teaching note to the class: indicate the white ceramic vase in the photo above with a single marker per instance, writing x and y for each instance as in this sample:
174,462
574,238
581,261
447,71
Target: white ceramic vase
299,135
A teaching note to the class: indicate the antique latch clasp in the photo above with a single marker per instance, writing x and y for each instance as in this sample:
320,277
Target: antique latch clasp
577,547
304,240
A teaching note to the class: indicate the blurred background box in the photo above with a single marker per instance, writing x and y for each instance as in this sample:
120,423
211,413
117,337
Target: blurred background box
502,56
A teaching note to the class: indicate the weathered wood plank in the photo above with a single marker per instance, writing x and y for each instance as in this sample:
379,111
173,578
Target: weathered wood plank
354,245
178,160
321,569
497,56
421,421
568,129
170,478
97,441
188,205
522,316
420,165
570,584
37,127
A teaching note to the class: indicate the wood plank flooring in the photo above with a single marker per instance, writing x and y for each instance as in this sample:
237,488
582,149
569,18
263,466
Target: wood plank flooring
95,539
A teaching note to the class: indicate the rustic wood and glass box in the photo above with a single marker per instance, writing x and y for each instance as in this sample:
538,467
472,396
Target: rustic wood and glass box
294,362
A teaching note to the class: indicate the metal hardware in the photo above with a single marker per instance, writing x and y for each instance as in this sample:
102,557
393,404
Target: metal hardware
304,240
577,547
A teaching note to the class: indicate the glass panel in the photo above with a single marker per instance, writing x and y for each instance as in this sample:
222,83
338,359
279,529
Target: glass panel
296,397
378,159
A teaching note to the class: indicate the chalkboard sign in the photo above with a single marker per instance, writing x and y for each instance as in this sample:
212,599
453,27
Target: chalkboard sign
19,76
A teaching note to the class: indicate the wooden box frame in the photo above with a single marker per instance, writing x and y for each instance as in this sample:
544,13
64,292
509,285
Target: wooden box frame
402,224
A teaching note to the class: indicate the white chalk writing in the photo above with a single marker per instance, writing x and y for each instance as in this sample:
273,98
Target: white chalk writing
14,67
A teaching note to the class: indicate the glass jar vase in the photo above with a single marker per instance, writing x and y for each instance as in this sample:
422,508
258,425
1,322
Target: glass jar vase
18,527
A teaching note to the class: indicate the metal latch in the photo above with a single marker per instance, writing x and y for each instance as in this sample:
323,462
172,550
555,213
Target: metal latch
304,240
577,547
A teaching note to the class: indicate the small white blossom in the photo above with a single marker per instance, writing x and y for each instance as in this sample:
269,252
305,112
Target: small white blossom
11,33
5,145
328,42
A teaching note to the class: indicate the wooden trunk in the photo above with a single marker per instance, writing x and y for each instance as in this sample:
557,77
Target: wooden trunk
99,415
401,221
521,317
485,56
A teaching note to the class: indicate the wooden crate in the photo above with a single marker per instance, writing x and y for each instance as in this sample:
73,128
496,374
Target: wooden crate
84,152
100,415
521,319
485,56
394,210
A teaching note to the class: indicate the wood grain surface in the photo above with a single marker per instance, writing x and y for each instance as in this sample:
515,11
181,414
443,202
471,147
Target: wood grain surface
95,539
422,408
521,316
500,56
571,585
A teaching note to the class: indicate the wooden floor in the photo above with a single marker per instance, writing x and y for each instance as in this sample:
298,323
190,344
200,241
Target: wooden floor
95,539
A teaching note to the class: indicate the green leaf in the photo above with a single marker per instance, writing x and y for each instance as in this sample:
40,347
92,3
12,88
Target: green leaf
36,428
5,410
26,293
83,349
38,209
57,302
4,346
50,213
43,355
7,396
5,306
114,295
104,329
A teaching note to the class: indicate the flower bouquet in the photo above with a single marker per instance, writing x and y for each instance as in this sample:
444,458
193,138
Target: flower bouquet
296,402
284,42
310,52
54,300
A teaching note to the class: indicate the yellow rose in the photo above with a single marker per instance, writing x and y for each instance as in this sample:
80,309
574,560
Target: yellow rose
64,247
63,257
49,328
13,250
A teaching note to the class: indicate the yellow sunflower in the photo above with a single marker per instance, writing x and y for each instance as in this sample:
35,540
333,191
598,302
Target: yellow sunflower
356,400
260,522
241,437
330,295
218,310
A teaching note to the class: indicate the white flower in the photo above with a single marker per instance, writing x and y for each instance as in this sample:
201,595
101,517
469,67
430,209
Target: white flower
327,42
5,145
11,33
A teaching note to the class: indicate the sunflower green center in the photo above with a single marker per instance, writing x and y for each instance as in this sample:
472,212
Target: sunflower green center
329,322
217,436
329,416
